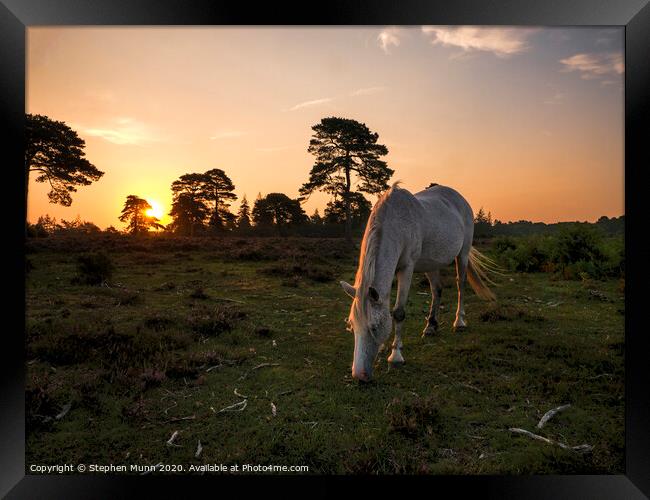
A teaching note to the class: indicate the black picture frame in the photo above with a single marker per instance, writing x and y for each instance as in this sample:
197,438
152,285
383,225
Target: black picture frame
634,15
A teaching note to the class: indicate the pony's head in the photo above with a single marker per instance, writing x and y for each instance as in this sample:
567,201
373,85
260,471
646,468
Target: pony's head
371,323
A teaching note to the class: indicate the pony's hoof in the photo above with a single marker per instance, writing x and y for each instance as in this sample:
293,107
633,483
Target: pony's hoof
396,359
459,328
429,331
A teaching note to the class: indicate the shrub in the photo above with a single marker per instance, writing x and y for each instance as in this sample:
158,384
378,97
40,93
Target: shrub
157,322
577,244
68,343
524,255
311,271
212,321
94,268
199,293
575,252
501,312
418,416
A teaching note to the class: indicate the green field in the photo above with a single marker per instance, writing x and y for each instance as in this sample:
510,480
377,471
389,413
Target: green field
184,330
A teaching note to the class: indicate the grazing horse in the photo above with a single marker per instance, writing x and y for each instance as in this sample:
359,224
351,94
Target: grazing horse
409,233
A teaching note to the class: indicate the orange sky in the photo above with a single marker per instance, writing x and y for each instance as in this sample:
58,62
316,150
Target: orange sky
527,123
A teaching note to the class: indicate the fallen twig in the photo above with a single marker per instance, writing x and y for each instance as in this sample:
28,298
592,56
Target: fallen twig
471,387
583,448
224,299
170,441
169,408
213,367
262,365
550,414
178,419
63,412
240,395
199,449
241,406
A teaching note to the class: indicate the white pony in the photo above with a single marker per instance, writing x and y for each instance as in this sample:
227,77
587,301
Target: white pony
409,233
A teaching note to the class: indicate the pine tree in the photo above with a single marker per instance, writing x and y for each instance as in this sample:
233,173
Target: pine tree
344,147
244,215
135,212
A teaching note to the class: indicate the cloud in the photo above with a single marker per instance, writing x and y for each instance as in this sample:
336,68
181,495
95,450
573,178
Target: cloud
227,134
388,37
309,104
367,91
502,42
124,130
594,66
608,37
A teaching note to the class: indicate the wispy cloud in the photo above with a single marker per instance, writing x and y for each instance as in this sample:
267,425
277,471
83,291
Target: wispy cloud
502,42
367,91
124,130
387,38
226,134
595,66
309,104
607,37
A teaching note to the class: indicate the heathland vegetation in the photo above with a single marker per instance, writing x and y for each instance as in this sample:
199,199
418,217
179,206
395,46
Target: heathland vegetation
221,338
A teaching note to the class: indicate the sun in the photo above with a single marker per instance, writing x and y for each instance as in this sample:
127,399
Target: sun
155,210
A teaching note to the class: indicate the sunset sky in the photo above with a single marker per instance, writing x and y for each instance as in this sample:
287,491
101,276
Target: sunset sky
525,122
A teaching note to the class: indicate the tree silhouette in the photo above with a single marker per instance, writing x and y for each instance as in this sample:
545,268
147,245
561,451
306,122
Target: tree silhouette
189,205
342,147
244,215
48,223
217,189
316,218
482,223
134,212
277,209
359,210
55,152
188,213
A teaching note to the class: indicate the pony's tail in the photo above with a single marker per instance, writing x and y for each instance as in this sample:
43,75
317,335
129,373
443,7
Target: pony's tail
478,267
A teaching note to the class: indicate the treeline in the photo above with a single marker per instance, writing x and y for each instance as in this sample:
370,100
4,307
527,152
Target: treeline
344,149
272,215
485,227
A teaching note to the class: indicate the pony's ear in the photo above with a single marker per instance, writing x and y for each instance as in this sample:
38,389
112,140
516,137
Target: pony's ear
374,294
349,289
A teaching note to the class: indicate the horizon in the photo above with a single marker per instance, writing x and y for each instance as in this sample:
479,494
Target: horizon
526,123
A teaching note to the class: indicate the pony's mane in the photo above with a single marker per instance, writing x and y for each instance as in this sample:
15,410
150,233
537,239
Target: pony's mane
368,256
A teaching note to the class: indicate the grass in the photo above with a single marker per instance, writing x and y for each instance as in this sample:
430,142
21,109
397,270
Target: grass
181,328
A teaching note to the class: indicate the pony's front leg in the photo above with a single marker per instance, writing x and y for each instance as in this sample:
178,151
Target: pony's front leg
399,314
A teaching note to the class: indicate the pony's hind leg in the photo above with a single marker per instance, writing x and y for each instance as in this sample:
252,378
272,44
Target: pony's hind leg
461,278
436,295
399,313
